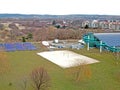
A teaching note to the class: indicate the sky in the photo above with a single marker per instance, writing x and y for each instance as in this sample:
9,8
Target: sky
60,7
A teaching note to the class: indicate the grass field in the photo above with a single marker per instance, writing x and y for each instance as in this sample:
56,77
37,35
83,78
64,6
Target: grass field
105,74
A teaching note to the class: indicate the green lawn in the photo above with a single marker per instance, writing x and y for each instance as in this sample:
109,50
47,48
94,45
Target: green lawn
105,74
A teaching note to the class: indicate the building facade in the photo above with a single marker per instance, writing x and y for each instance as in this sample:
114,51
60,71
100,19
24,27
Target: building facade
112,25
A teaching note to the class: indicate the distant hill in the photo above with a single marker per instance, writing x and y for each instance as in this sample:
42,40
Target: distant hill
74,16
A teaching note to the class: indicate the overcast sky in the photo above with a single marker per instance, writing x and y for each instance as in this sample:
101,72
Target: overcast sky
61,7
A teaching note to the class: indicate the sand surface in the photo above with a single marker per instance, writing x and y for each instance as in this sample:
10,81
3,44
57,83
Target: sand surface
66,59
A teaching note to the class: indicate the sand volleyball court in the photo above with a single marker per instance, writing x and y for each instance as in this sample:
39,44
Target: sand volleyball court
66,59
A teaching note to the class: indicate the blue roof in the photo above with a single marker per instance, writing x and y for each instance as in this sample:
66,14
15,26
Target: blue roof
111,39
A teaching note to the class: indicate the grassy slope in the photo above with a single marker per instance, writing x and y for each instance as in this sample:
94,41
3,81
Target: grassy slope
23,62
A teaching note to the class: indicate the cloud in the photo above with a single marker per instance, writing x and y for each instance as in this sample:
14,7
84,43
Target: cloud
60,6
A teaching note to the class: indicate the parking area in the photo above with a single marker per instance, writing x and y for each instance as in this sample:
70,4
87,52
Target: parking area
74,44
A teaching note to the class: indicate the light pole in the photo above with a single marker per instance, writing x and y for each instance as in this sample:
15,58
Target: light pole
100,46
88,44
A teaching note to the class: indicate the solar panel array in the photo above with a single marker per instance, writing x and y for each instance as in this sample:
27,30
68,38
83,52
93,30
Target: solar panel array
29,46
18,46
1,47
9,47
110,39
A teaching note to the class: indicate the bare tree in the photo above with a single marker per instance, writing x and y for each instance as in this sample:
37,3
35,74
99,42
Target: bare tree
24,82
40,79
4,64
80,72
117,54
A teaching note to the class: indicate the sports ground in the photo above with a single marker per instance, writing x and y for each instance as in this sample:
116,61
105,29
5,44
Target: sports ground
66,59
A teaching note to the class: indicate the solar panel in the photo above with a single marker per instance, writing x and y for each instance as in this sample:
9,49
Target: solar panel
19,46
29,46
111,39
1,47
9,47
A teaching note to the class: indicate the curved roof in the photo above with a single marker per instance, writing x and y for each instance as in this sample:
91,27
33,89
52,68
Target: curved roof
111,39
